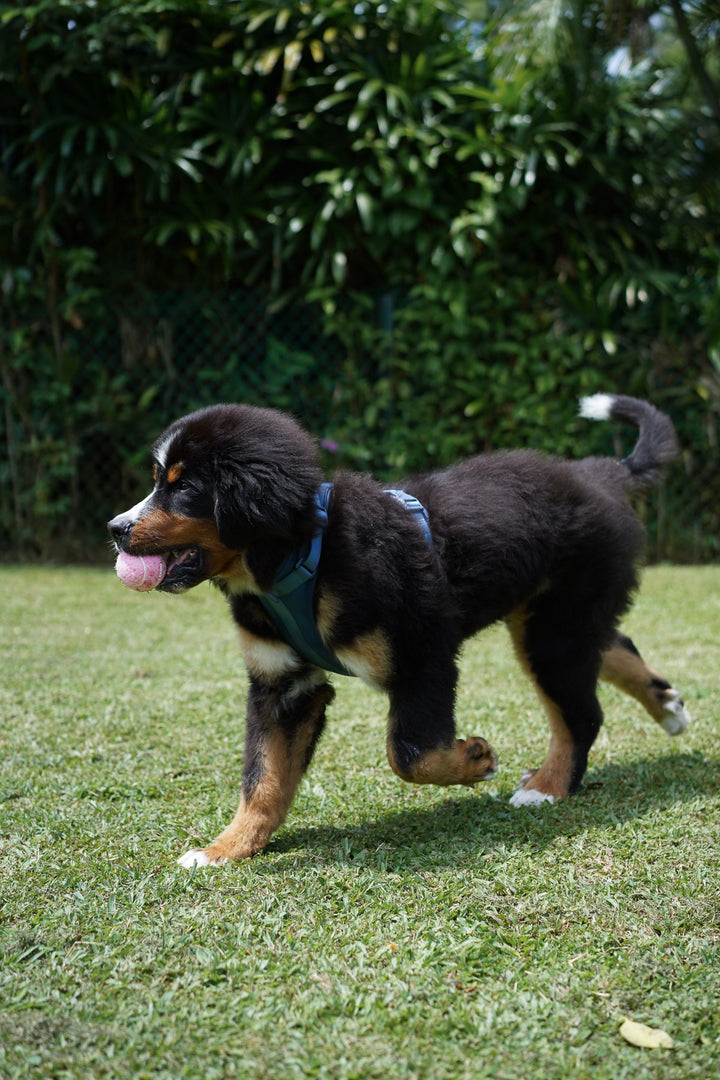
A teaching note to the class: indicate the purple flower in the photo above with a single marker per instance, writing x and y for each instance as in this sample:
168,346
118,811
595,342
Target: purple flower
330,445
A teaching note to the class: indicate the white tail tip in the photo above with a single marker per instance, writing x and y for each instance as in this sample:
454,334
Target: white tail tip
596,407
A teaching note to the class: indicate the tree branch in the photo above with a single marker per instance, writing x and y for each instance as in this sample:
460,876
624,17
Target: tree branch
695,59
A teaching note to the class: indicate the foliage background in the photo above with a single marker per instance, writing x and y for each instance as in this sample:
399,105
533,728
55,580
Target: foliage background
424,227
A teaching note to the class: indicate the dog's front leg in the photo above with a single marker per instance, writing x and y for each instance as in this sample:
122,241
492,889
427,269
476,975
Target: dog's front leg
283,727
422,747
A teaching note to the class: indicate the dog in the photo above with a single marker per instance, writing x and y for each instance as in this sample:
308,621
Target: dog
386,585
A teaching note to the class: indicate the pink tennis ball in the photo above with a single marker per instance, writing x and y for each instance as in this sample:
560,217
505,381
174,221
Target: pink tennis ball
141,572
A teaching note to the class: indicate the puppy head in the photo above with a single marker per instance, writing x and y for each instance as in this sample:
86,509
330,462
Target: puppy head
227,478
264,482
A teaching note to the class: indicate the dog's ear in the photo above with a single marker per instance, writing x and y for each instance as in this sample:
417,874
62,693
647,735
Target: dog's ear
256,501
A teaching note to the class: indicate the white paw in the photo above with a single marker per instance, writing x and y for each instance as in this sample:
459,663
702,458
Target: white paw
196,857
531,797
676,718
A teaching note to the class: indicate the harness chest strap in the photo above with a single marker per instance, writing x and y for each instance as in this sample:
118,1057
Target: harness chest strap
290,603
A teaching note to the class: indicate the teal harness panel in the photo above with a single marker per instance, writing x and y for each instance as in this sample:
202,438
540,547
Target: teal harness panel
290,603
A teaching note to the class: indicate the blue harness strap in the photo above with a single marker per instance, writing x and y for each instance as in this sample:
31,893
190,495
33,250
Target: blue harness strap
290,603
414,506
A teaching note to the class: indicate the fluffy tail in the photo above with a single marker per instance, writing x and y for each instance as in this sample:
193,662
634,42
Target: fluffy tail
657,443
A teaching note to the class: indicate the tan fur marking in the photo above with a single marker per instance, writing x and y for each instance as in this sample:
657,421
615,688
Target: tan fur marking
329,609
370,657
629,673
258,817
159,531
175,472
466,762
554,775
515,623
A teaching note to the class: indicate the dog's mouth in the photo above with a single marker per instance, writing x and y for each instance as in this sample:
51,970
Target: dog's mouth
184,567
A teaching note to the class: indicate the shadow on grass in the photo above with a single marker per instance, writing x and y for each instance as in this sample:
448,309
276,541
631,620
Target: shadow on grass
448,834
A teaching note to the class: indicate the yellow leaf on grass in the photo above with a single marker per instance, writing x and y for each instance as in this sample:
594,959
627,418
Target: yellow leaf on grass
642,1035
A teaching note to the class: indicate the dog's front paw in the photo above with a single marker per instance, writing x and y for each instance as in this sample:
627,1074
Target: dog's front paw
480,760
200,858
675,717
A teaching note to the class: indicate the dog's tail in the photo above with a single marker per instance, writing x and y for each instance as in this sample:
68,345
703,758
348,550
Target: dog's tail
657,443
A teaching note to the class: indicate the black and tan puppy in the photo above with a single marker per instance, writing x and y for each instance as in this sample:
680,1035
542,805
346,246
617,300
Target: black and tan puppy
549,546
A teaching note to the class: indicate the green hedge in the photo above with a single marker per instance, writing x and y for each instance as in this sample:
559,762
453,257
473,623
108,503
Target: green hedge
426,234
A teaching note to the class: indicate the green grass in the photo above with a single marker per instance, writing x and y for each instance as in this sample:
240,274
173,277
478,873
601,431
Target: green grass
388,931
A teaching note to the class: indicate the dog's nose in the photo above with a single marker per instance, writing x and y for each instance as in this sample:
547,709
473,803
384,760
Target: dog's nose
119,527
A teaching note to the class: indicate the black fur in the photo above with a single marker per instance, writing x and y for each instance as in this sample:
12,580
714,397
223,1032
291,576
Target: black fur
549,545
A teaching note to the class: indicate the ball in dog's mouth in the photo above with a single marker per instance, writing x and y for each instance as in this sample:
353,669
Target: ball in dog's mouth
140,572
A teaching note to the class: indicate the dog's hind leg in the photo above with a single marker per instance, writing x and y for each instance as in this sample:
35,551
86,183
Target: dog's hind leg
422,747
563,665
624,667
283,727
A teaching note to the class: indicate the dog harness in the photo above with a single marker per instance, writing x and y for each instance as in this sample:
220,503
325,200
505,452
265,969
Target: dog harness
290,603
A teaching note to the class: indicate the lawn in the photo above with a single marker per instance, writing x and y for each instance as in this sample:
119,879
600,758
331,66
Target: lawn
388,931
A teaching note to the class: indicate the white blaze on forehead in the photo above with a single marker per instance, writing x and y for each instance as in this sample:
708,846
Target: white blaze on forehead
161,450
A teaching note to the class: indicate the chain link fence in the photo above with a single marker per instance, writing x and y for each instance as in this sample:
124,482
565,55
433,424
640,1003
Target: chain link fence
78,434
170,354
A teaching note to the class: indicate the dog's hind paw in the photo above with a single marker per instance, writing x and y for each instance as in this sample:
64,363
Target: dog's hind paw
524,796
531,797
197,857
675,718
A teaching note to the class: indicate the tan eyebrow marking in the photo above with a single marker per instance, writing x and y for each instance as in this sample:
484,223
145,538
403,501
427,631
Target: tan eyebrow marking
175,472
